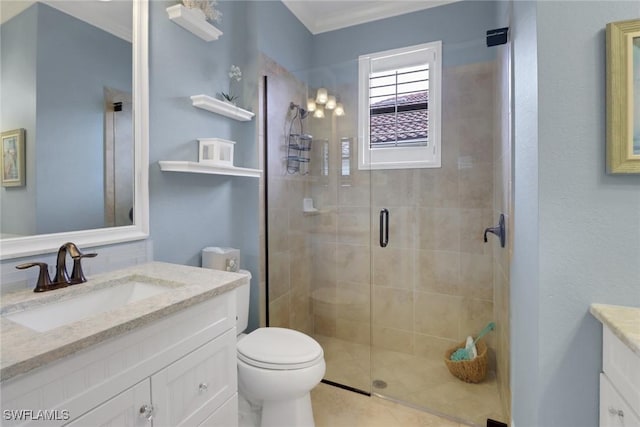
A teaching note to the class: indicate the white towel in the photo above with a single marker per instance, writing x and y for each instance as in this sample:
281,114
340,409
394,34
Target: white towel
471,347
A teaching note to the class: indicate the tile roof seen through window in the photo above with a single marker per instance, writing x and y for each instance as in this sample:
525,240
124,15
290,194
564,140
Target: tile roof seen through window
404,126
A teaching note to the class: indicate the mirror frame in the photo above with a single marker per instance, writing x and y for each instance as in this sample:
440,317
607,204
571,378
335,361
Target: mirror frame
45,243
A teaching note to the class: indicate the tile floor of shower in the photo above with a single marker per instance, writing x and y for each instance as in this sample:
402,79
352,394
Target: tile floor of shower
416,381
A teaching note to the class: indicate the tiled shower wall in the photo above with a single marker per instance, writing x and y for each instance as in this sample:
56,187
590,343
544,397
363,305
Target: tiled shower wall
289,257
433,283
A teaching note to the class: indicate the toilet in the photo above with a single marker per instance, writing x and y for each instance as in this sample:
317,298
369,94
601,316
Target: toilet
277,368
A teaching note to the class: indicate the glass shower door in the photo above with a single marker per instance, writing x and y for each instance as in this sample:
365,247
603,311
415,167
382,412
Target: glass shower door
318,226
431,273
340,240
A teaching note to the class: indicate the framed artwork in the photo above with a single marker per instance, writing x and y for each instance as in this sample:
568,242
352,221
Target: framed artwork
13,159
623,97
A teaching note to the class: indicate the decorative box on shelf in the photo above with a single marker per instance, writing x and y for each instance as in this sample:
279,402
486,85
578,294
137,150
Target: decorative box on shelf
215,151
194,21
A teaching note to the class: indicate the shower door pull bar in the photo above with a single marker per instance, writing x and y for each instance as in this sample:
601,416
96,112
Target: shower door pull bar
384,225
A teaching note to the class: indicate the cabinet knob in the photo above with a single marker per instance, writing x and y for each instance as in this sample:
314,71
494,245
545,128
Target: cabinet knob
614,411
146,411
202,387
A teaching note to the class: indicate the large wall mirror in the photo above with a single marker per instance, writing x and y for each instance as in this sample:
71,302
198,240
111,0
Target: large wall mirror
75,78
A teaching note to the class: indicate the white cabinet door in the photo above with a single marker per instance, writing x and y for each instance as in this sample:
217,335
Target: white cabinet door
123,410
188,391
614,410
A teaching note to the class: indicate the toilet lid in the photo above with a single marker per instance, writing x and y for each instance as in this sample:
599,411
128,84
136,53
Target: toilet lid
279,348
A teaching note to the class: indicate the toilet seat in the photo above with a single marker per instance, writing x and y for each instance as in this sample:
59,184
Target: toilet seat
279,349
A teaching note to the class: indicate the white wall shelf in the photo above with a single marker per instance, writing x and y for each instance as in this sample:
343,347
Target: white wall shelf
220,107
193,20
197,167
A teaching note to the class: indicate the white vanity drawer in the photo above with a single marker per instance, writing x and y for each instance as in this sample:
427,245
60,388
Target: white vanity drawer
622,367
614,410
186,392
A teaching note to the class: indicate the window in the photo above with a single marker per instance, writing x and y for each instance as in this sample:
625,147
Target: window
399,108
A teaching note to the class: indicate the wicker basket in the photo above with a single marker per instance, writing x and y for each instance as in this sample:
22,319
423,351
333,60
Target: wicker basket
471,371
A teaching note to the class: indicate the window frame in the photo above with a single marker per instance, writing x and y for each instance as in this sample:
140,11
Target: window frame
428,156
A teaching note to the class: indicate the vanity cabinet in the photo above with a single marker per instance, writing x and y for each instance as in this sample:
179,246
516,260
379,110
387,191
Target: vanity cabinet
121,410
619,383
179,370
186,392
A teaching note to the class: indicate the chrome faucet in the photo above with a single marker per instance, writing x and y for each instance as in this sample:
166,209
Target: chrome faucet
61,279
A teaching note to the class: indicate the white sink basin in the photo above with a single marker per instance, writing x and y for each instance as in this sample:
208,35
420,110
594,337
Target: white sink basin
58,313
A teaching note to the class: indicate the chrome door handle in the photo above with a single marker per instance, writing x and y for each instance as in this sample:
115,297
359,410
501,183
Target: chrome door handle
384,228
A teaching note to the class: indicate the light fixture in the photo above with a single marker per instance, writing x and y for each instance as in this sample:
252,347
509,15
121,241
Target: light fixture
331,103
319,113
311,105
339,110
321,97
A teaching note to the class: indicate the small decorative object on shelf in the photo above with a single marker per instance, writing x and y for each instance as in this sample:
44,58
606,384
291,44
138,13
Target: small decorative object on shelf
193,20
208,8
235,74
215,151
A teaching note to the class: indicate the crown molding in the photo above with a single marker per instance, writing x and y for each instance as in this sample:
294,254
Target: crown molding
347,14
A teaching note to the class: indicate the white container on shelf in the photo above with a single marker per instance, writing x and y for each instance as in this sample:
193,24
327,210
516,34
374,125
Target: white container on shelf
216,151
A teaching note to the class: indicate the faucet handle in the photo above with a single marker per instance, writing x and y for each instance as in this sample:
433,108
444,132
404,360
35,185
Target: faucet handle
44,280
77,275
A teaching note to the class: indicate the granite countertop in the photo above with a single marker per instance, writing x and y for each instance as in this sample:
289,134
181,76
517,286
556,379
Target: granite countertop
24,349
624,322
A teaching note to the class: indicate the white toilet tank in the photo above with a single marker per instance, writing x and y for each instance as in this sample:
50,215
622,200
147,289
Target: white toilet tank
242,304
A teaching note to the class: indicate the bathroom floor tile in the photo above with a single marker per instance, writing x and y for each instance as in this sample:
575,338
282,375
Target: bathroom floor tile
419,382
335,407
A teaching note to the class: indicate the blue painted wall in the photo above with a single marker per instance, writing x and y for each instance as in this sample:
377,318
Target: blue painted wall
577,230
461,26
18,101
75,61
190,211
282,37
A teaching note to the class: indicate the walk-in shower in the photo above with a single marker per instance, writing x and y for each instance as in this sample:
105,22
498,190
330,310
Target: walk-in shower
387,268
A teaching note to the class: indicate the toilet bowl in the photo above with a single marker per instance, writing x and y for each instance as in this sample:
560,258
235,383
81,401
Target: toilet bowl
277,368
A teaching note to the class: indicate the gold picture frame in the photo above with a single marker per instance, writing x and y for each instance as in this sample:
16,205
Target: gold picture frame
623,97
12,158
